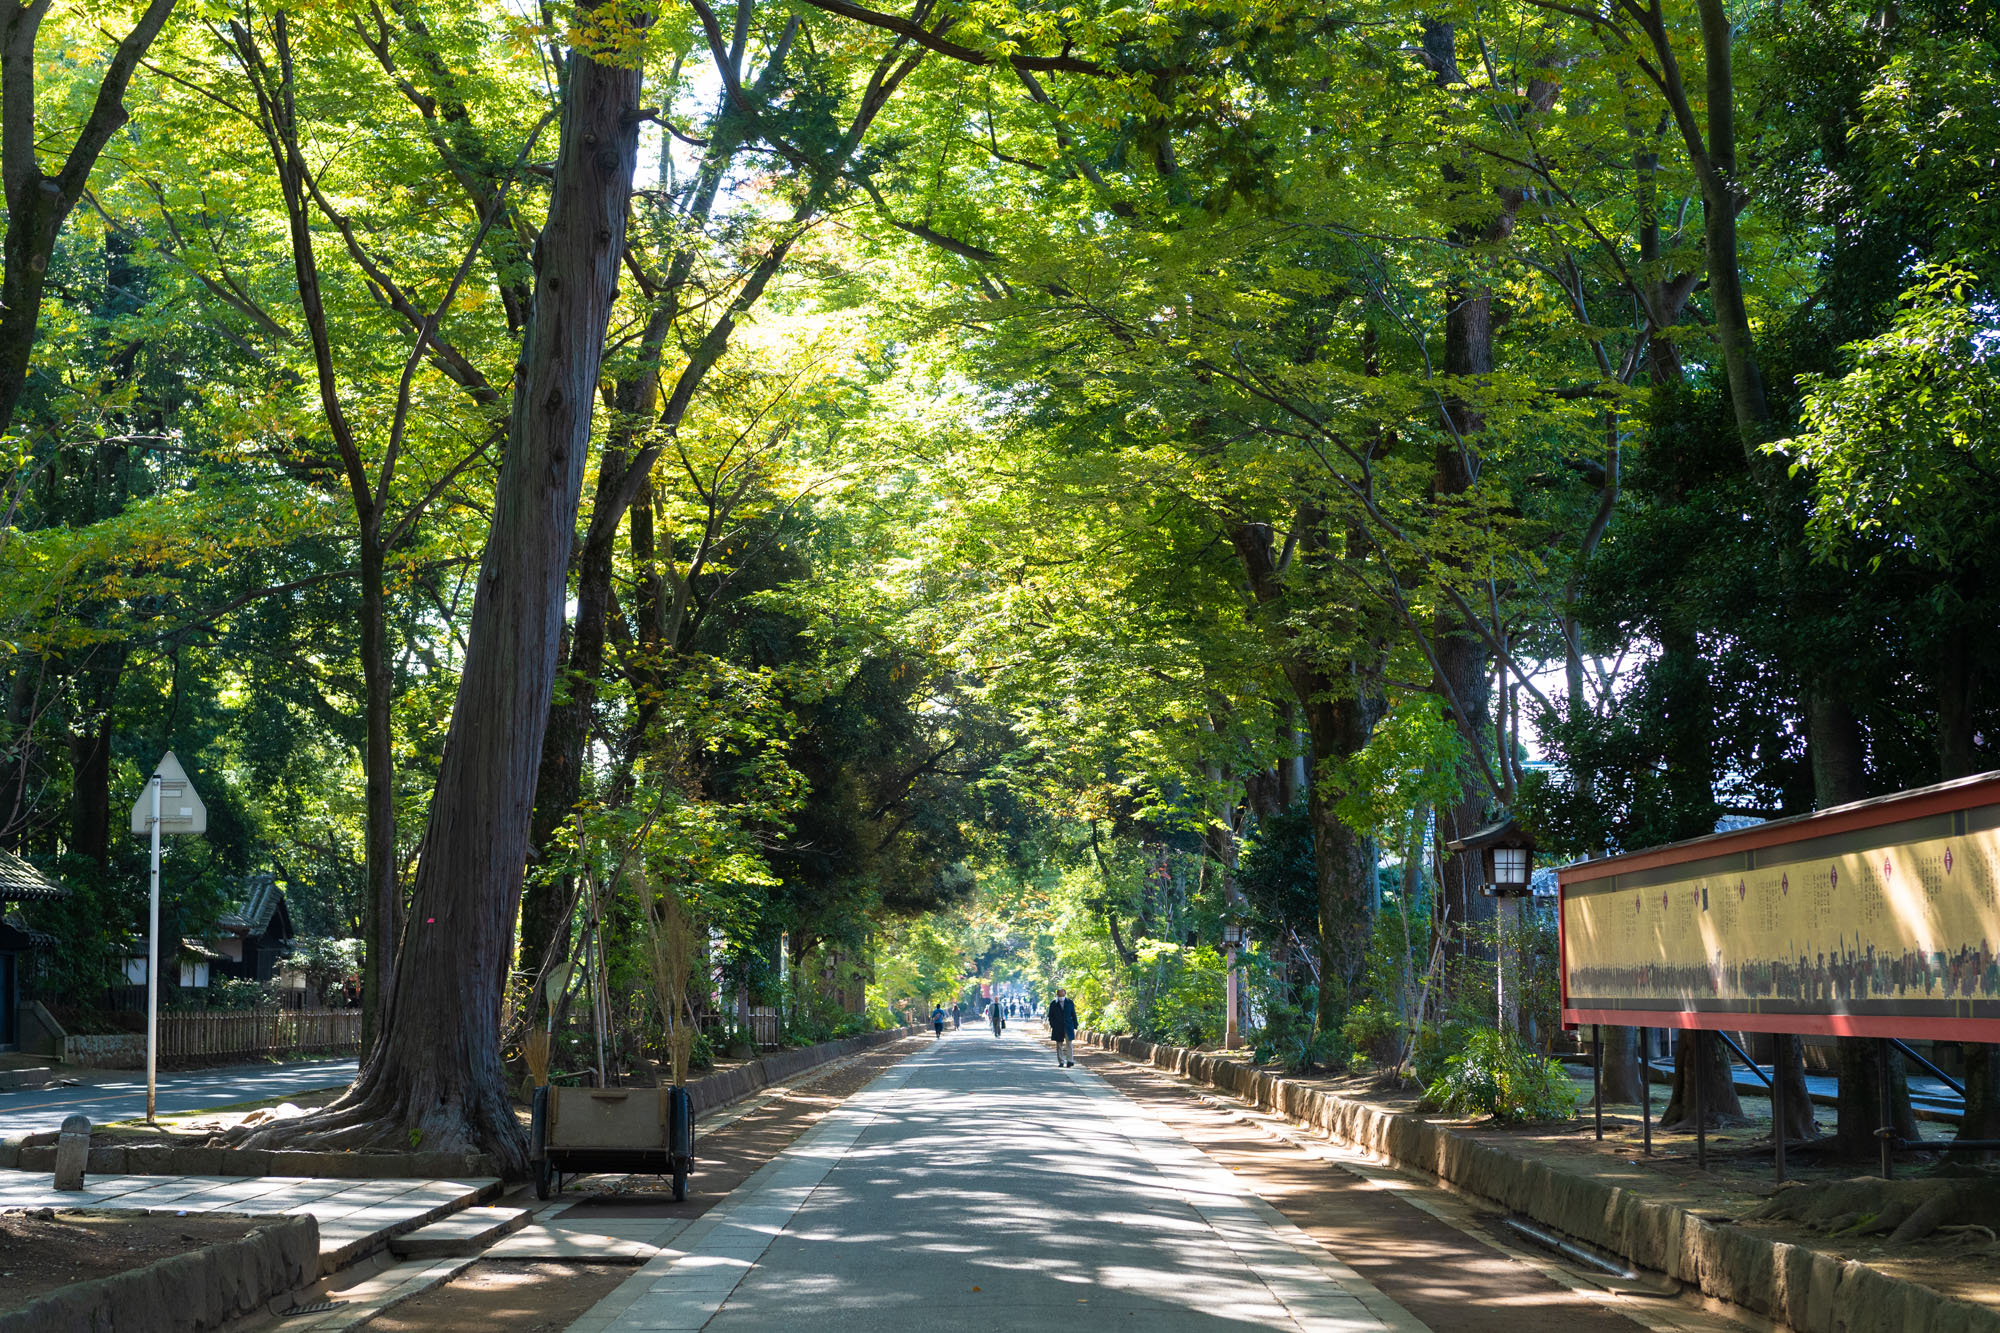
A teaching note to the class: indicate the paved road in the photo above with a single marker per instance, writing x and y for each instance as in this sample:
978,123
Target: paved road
976,1186
122,1096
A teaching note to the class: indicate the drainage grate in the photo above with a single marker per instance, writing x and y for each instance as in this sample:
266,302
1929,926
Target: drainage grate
320,1308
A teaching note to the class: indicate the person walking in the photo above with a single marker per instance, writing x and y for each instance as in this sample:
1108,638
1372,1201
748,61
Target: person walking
1062,1025
937,1019
996,1017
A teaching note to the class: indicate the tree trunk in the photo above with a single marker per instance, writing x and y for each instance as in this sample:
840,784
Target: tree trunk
434,1079
1788,1062
1622,1080
96,685
1722,1105
1839,777
1343,860
381,896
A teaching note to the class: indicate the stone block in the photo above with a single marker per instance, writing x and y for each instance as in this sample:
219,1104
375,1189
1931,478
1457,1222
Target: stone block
107,1162
72,1152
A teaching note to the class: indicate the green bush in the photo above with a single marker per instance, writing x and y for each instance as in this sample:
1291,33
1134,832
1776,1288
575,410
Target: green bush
701,1053
1496,1075
1374,1030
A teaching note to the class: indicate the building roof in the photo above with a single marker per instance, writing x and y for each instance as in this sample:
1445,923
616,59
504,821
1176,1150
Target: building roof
22,883
253,915
40,939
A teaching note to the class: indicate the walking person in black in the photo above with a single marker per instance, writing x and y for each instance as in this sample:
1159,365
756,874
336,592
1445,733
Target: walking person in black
1062,1025
995,1017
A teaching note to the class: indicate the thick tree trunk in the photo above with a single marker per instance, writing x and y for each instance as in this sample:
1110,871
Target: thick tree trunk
1788,1063
382,898
1719,1097
1622,1079
1839,767
1343,860
90,753
434,1079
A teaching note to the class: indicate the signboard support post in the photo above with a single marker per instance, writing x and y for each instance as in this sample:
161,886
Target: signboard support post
1646,1086
1778,1108
1699,1054
1597,1077
1885,1076
153,960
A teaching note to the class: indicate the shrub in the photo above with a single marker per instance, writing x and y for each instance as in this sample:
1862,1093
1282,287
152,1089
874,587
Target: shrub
1496,1075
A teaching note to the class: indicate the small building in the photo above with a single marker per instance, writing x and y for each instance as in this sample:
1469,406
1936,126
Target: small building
252,939
19,883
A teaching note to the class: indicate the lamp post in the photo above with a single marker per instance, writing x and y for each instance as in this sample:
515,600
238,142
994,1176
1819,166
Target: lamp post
1507,855
1234,936
1509,874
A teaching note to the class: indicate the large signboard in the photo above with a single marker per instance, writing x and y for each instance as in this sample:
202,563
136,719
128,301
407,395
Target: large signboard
1874,920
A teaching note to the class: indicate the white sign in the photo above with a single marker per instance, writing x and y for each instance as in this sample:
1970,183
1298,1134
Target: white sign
181,811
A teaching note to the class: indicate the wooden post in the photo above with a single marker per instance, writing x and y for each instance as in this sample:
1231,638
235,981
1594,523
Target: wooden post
1597,1077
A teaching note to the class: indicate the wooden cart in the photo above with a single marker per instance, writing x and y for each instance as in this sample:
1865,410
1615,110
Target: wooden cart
624,1130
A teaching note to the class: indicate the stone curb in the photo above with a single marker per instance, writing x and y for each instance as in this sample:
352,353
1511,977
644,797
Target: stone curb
733,1085
36,1152
186,1293
175,1160
1808,1290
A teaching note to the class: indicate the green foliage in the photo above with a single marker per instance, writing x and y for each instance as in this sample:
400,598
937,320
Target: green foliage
1495,1075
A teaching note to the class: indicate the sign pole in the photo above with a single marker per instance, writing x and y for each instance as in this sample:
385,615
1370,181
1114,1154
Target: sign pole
153,961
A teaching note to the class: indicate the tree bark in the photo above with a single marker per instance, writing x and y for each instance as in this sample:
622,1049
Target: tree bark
96,687
435,1079
1719,1097
38,205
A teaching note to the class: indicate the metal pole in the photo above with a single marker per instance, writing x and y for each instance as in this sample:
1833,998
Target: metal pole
1232,1037
153,963
1597,1076
1695,1059
1887,1134
1646,1086
1778,1049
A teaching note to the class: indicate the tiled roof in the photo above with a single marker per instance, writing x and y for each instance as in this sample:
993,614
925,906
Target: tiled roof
22,883
259,905
41,939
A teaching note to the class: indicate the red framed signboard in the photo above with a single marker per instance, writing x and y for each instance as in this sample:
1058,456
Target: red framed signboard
1879,919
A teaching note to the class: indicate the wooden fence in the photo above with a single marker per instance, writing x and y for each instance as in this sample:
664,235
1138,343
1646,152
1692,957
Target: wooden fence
218,1034
764,1027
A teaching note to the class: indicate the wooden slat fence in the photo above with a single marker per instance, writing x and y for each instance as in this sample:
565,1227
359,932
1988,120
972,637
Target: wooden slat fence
764,1027
214,1034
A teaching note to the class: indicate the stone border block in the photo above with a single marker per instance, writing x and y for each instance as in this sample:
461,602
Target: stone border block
186,1293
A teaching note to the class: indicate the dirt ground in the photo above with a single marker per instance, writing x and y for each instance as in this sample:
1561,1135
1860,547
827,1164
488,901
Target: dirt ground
526,1297
542,1297
42,1250
1738,1177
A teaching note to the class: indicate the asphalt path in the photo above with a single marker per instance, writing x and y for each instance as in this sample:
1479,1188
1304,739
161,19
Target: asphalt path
121,1095
977,1186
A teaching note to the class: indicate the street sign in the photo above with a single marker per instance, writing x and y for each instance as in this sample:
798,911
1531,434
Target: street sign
181,811
168,805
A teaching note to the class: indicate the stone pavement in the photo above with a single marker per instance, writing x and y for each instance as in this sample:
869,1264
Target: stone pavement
354,1216
978,1186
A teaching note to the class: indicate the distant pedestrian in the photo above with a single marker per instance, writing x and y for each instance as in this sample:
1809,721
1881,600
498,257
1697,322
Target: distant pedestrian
937,1019
1062,1025
996,1017
954,1017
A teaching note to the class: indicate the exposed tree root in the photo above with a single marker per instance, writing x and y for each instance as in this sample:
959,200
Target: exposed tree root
1905,1210
374,1116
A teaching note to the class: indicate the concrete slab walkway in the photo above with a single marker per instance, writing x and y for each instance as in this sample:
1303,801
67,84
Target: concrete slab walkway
355,1216
977,1186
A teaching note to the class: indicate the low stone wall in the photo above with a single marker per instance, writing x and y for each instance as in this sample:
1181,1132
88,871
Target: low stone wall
1802,1287
203,1289
733,1085
117,1050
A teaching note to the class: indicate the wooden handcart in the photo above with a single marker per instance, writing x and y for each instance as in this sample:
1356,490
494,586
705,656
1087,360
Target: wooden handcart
623,1130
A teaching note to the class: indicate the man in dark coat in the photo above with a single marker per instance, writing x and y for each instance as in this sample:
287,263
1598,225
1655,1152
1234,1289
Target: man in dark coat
1062,1025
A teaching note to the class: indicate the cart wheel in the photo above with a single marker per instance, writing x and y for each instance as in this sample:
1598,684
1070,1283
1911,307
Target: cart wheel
545,1179
680,1186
